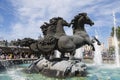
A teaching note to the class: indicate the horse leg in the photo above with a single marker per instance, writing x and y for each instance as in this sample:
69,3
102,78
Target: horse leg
62,55
46,56
93,48
89,42
72,53
98,42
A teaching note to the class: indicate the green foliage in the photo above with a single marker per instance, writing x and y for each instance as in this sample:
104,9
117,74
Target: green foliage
26,42
111,50
16,42
117,32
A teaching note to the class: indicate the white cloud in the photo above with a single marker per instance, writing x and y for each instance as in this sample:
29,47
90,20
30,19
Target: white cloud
32,13
20,30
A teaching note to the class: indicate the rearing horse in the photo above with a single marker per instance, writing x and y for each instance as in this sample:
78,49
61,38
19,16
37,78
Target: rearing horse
79,30
53,32
80,37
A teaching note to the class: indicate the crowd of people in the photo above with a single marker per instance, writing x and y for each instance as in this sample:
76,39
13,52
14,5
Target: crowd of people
16,55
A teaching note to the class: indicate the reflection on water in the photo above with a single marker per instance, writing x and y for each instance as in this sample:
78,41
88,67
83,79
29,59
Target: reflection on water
103,73
94,73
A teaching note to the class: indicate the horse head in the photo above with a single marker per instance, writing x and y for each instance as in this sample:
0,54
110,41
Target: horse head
63,22
59,27
79,21
85,19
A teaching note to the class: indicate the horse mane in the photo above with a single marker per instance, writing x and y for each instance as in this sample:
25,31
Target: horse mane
51,25
54,20
75,20
79,15
83,14
44,26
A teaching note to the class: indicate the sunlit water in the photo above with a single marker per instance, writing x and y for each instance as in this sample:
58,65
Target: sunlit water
79,53
97,54
117,59
103,72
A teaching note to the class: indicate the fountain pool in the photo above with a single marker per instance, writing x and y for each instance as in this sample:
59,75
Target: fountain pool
104,72
97,71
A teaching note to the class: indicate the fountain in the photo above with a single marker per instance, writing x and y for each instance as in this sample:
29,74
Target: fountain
56,42
117,59
97,53
69,69
79,53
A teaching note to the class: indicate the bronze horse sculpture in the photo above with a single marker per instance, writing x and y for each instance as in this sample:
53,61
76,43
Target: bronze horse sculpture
51,31
80,36
46,44
56,39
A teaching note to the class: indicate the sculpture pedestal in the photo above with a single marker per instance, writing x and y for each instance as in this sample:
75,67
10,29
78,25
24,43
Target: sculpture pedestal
59,69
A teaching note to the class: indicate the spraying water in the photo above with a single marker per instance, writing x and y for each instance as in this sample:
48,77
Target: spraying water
117,60
79,53
97,54
57,54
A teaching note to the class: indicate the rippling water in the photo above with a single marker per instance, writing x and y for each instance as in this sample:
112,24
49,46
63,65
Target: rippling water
94,73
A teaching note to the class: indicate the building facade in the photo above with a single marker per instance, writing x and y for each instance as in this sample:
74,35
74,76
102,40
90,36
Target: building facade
110,42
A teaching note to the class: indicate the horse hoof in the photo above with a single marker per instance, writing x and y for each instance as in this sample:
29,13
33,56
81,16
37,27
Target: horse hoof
93,49
99,43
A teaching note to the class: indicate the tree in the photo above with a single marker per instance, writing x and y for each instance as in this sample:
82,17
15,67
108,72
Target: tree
117,32
26,42
17,42
111,50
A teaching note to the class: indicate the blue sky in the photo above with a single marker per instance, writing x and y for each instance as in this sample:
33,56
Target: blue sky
22,18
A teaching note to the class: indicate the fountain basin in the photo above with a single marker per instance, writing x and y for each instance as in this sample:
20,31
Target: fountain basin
59,69
104,72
